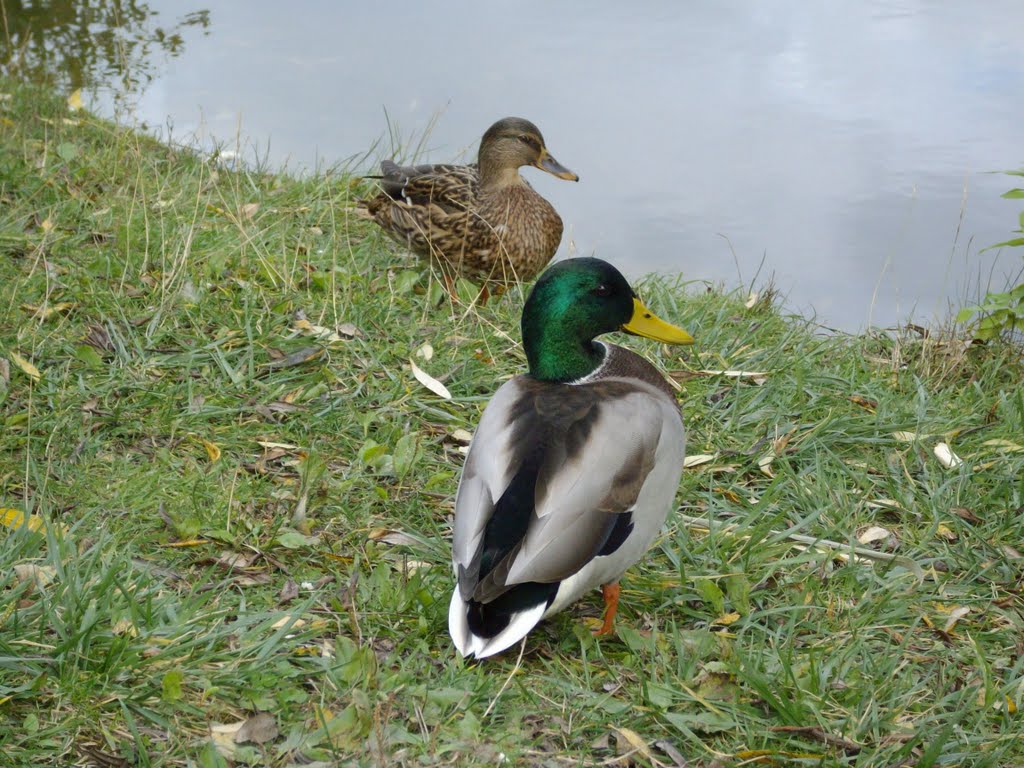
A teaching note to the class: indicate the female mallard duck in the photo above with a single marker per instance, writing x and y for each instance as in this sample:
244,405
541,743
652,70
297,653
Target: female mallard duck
573,468
482,221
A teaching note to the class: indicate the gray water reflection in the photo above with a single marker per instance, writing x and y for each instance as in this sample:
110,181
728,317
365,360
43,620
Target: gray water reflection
844,145
78,43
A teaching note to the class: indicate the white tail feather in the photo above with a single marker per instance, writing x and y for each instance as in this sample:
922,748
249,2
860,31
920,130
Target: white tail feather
469,644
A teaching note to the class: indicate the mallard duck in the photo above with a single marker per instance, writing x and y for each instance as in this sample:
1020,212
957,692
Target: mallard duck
573,467
482,221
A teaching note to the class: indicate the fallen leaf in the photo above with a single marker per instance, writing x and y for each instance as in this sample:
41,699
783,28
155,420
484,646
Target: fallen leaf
232,560
888,504
669,749
288,621
15,518
320,332
758,377
211,449
873,534
75,100
726,619
905,437
258,729
751,300
303,355
30,370
283,446
628,741
125,628
462,436
223,737
1004,445
946,457
392,537
289,592
965,514
954,616
39,575
698,459
45,311
248,210
429,381
765,463
426,351
863,402
945,532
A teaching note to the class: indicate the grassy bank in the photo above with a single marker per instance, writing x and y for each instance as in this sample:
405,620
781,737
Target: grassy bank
243,498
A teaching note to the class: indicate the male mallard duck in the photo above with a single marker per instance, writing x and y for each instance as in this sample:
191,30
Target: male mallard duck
574,466
483,221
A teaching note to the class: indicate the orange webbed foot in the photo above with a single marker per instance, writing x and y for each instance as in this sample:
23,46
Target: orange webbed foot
610,593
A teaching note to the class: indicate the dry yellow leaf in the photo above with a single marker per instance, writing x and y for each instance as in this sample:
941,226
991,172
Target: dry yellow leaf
45,311
186,543
632,742
125,628
75,100
954,616
15,518
698,459
319,332
286,621
1005,445
284,446
211,449
30,370
726,619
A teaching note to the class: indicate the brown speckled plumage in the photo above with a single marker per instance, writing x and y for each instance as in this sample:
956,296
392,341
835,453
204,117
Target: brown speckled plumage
482,221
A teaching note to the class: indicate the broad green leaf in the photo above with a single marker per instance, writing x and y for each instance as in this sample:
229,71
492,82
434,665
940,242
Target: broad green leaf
172,685
67,151
88,355
711,593
405,454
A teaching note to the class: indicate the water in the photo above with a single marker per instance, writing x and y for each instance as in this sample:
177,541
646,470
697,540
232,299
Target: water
842,150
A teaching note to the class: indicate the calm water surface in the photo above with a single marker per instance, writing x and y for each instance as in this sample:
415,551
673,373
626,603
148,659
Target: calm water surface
843,148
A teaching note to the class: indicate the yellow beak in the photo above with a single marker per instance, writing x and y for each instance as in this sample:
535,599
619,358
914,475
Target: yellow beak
645,323
547,163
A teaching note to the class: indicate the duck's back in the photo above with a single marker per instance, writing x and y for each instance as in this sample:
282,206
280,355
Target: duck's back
442,212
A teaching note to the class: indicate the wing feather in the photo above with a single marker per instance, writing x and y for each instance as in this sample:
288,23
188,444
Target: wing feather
593,446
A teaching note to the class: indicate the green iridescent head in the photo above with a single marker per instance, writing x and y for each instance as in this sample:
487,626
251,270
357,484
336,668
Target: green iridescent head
574,302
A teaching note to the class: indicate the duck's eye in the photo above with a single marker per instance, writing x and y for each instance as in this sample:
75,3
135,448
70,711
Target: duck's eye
603,290
528,140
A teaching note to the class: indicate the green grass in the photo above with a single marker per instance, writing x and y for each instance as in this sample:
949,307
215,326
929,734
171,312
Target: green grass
222,496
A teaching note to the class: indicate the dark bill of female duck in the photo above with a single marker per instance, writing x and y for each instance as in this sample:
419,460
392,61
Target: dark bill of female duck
573,467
